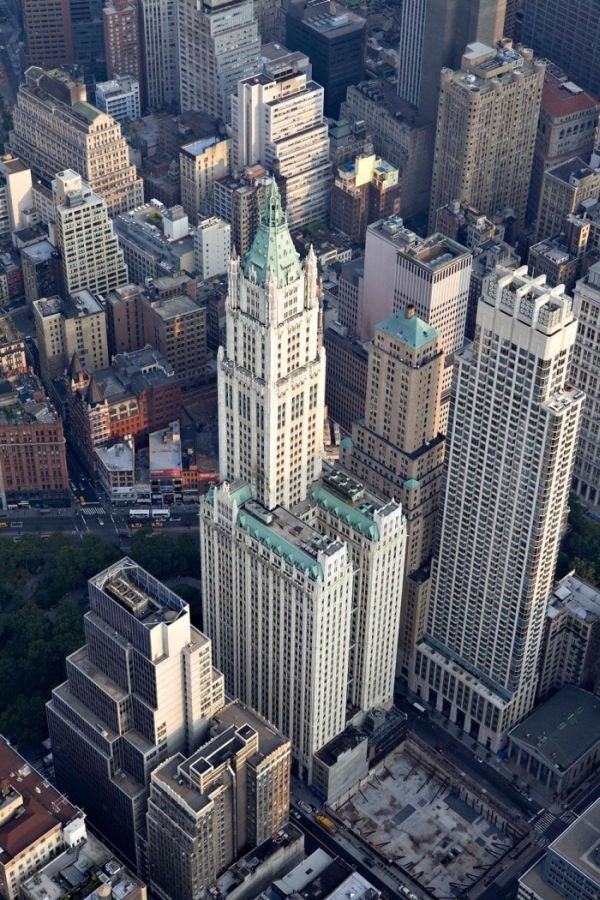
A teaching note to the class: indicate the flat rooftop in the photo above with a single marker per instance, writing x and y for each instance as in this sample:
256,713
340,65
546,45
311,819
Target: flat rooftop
39,252
578,597
432,253
38,807
172,307
165,450
347,740
118,458
79,303
579,844
572,171
144,597
562,729
563,98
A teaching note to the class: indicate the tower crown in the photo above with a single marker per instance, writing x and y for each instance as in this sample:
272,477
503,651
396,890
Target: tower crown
272,251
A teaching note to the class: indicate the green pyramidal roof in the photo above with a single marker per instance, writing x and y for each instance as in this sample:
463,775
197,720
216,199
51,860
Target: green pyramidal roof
407,328
272,250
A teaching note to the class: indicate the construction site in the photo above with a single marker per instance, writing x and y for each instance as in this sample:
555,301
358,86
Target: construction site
422,818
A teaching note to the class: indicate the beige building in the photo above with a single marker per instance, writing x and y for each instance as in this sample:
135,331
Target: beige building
512,443
55,128
571,646
139,691
36,821
564,188
585,374
91,257
177,327
232,793
399,135
485,134
219,44
65,326
201,163
398,449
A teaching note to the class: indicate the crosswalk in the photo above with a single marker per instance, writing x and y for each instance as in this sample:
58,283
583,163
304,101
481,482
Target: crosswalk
568,816
93,510
544,822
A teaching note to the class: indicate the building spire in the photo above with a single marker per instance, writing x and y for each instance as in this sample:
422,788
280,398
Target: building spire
272,251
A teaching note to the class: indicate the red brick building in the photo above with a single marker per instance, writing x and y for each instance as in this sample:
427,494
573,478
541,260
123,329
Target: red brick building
33,459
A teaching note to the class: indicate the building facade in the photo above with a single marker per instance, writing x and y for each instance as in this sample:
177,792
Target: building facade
55,128
212,247
277,118
219,44
158,22
584,375
486,127
201,163
63,327
140,690
362,193
564,188
272,368
513,438
230,795
122,39
48,32
119,98
91,258
398,449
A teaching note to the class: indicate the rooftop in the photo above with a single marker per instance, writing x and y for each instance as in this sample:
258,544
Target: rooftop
23,401
165,451
563,98
29,806
562,729
432,253
77,304
285,535
408,329
172,307
146,599
347,740
320,877
197,147
579,844
272,253
118,458
573,171
248,865
82,869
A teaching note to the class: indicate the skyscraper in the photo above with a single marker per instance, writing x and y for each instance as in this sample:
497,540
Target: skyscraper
139,691
486,126
398,448
303,604
55,128
272,369
277,119
433,36
48,32
219,44
158,23
513,439
585,366
232,793
568,33
90,253
88,38
122,39
336,43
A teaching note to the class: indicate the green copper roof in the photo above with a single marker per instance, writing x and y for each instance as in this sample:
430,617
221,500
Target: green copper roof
356,518
279,545
86,110
411,484
272,250
408,329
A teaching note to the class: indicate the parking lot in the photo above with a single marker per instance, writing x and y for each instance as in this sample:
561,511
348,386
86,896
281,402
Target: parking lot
414,819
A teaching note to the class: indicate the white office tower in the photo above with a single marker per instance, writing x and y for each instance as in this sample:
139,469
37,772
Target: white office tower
272,369
158,23
513,437
90,254
219,44
585,369
277,600
141,689
277,119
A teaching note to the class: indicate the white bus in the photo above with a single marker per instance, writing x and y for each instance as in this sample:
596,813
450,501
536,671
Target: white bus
136,515
161,514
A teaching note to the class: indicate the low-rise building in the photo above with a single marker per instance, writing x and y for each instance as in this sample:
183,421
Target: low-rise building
33,463
115,467
91,869
156,241
558,744
321,877
340,765
253,872
119,97
36,821
570,868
